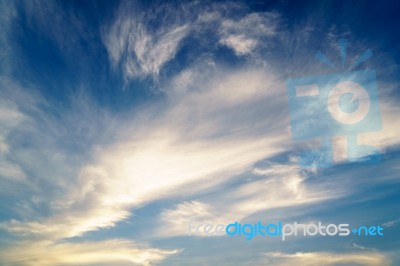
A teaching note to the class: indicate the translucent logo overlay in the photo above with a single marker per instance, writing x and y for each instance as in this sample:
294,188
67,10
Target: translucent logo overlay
282,230
343,104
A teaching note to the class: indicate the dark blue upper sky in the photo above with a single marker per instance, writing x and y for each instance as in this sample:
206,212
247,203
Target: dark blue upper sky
64,50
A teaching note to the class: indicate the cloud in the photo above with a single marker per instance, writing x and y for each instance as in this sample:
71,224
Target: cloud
139,46
78,179
86,168
382,140
389,135
326,258
354,245
110,252
138,49
10,117
159,156
248,33
240,44
7,15
203,135
34,191
277,186
391,223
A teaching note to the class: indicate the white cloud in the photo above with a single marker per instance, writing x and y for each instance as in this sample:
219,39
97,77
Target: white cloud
11,171
240,44
354,245
391,223
380,140
21,116
281,186
326,258
86,169
110,252
196,140
244,35
10,117
138,49
389,135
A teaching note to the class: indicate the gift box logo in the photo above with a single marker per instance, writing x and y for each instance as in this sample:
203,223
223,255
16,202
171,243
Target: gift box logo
340,104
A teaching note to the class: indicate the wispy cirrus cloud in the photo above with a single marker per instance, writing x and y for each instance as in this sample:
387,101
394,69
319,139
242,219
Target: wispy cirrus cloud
160,152
82,169
277,186
42,238
115,252
9,117
164,154
138,49
391,223
326,258
249,33
93,178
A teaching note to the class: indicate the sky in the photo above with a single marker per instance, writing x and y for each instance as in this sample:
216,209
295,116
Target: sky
124,122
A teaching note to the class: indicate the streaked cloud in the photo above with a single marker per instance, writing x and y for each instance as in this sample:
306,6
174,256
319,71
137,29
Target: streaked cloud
280,186
248,33
327,258
391,223
139,49
159,156
10,117
70,170
136,48
110,252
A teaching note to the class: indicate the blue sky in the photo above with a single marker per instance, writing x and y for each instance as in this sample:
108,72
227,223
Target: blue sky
122,121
